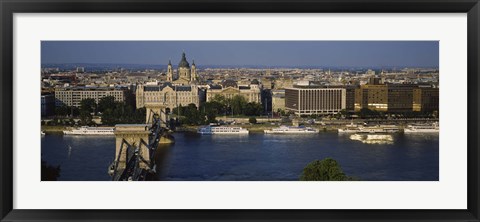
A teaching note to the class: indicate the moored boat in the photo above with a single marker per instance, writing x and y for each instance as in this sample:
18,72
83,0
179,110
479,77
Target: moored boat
369,129
225,130
291,130
85,130
433,128
351,128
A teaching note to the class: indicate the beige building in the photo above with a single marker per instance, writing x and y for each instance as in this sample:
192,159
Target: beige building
229,89
395,98
72,96
374,97
186,75
267,83
278,100
167,95
283,83
425,99
178,90
309,101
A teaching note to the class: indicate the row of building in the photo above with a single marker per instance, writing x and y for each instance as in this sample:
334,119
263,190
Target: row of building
183,87
375,95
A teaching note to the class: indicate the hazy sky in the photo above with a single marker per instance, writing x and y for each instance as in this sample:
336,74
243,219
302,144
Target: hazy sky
263,53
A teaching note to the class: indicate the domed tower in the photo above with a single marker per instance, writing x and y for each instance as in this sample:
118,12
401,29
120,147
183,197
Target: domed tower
184,68
169,72
193,72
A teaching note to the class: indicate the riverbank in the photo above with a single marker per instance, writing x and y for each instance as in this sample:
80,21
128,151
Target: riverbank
55,129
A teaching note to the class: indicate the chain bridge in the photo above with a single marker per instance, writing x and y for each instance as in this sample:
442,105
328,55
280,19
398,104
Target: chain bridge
136,145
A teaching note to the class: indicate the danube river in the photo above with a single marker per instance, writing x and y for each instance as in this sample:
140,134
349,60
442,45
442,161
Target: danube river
254,157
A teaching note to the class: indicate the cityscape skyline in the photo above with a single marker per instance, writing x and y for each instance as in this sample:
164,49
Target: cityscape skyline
246,53
243,122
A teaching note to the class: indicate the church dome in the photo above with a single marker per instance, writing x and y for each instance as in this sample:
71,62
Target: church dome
255,82
183,63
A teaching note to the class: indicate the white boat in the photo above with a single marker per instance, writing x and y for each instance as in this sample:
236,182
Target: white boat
369,129
291,130
223,130
380,129
433,128
351,128
85,130
42,133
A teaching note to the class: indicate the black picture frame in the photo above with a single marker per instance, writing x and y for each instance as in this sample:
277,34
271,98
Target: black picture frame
9,7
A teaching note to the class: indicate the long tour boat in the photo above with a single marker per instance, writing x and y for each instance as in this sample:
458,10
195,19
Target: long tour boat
85,130
225,130
433,128
291,130
369,129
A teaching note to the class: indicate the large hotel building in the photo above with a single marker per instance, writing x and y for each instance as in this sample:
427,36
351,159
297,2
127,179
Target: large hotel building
72,96
396,98
309,101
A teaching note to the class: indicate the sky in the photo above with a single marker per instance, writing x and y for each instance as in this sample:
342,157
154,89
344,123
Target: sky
245,53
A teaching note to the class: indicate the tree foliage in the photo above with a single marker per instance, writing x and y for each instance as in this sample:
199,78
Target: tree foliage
67,111
323,170
114,112
237,105
192,115
49,173
88,106
105,103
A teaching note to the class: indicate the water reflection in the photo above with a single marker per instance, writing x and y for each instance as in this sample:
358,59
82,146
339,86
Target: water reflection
373,138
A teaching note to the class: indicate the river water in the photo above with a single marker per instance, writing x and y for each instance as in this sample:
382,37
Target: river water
254,157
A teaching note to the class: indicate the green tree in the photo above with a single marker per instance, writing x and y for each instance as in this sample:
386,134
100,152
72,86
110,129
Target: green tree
253,109
74,111
62,110
140,115
211,110
85,118
368,113
281,112
252,120
220,99
238,104
107,102
88,105
221,103
49,173
178,110
193,115
323,170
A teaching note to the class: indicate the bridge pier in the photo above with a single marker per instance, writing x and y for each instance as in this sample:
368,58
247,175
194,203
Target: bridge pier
159,109
134,136
136,145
